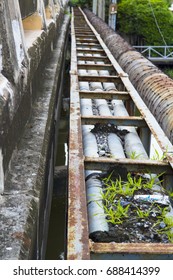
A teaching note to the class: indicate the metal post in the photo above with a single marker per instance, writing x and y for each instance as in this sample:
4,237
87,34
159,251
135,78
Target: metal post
101,9
112,14
95,7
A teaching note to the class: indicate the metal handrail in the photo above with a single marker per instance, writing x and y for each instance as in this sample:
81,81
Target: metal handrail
165,52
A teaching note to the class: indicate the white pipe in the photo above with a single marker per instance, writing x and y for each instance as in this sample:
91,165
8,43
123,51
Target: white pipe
106,86
115,146
103,107
96,215
133,146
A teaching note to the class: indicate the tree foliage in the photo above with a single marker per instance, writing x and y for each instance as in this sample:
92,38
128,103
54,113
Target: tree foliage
149,20
81,3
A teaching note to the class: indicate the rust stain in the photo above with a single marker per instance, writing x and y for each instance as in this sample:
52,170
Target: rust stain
138,248
23,237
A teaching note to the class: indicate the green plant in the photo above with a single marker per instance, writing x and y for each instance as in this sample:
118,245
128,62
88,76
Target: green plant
168,222
135,19
154,180
169,234
134,155
170,193
143,214
116,213
158,156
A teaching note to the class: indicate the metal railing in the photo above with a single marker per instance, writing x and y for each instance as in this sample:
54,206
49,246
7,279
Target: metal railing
156,52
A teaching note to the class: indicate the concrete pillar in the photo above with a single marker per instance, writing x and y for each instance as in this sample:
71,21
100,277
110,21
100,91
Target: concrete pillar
9,53
18,32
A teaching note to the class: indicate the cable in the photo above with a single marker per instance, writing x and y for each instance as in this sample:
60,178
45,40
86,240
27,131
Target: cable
158,27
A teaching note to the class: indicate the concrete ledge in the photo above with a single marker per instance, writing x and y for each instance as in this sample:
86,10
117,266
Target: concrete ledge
25,204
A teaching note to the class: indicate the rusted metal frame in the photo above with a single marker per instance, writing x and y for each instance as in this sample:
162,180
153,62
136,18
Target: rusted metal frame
95,66
77,228
89,45
102,79
83,28
117,121
155,167
141,166
153,125
84,36
145,136
87,40
92,58
90,51
80,33
118,95
131,248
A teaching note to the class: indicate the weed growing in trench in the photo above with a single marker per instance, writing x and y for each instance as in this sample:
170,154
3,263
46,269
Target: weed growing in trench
129,187
120,208
116,213
168,229
143,214
134,155
157,155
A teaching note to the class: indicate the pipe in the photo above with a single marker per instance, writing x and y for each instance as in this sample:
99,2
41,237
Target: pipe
93,185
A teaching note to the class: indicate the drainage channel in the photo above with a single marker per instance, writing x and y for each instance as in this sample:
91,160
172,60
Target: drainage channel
119,198
56,244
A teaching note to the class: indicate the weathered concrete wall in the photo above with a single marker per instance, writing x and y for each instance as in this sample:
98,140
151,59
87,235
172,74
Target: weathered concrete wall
29,111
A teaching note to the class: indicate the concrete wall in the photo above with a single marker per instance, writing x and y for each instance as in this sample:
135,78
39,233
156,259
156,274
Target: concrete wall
31,77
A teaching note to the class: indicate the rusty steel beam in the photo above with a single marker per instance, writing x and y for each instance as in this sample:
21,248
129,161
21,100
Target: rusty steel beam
118,95
77,227
102,79
89,45
86,33
91,51
131,248
95,66
78,37
117,121
92,58
87,40
131,165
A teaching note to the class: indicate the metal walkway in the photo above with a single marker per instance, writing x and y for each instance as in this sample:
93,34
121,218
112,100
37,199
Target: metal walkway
103,97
